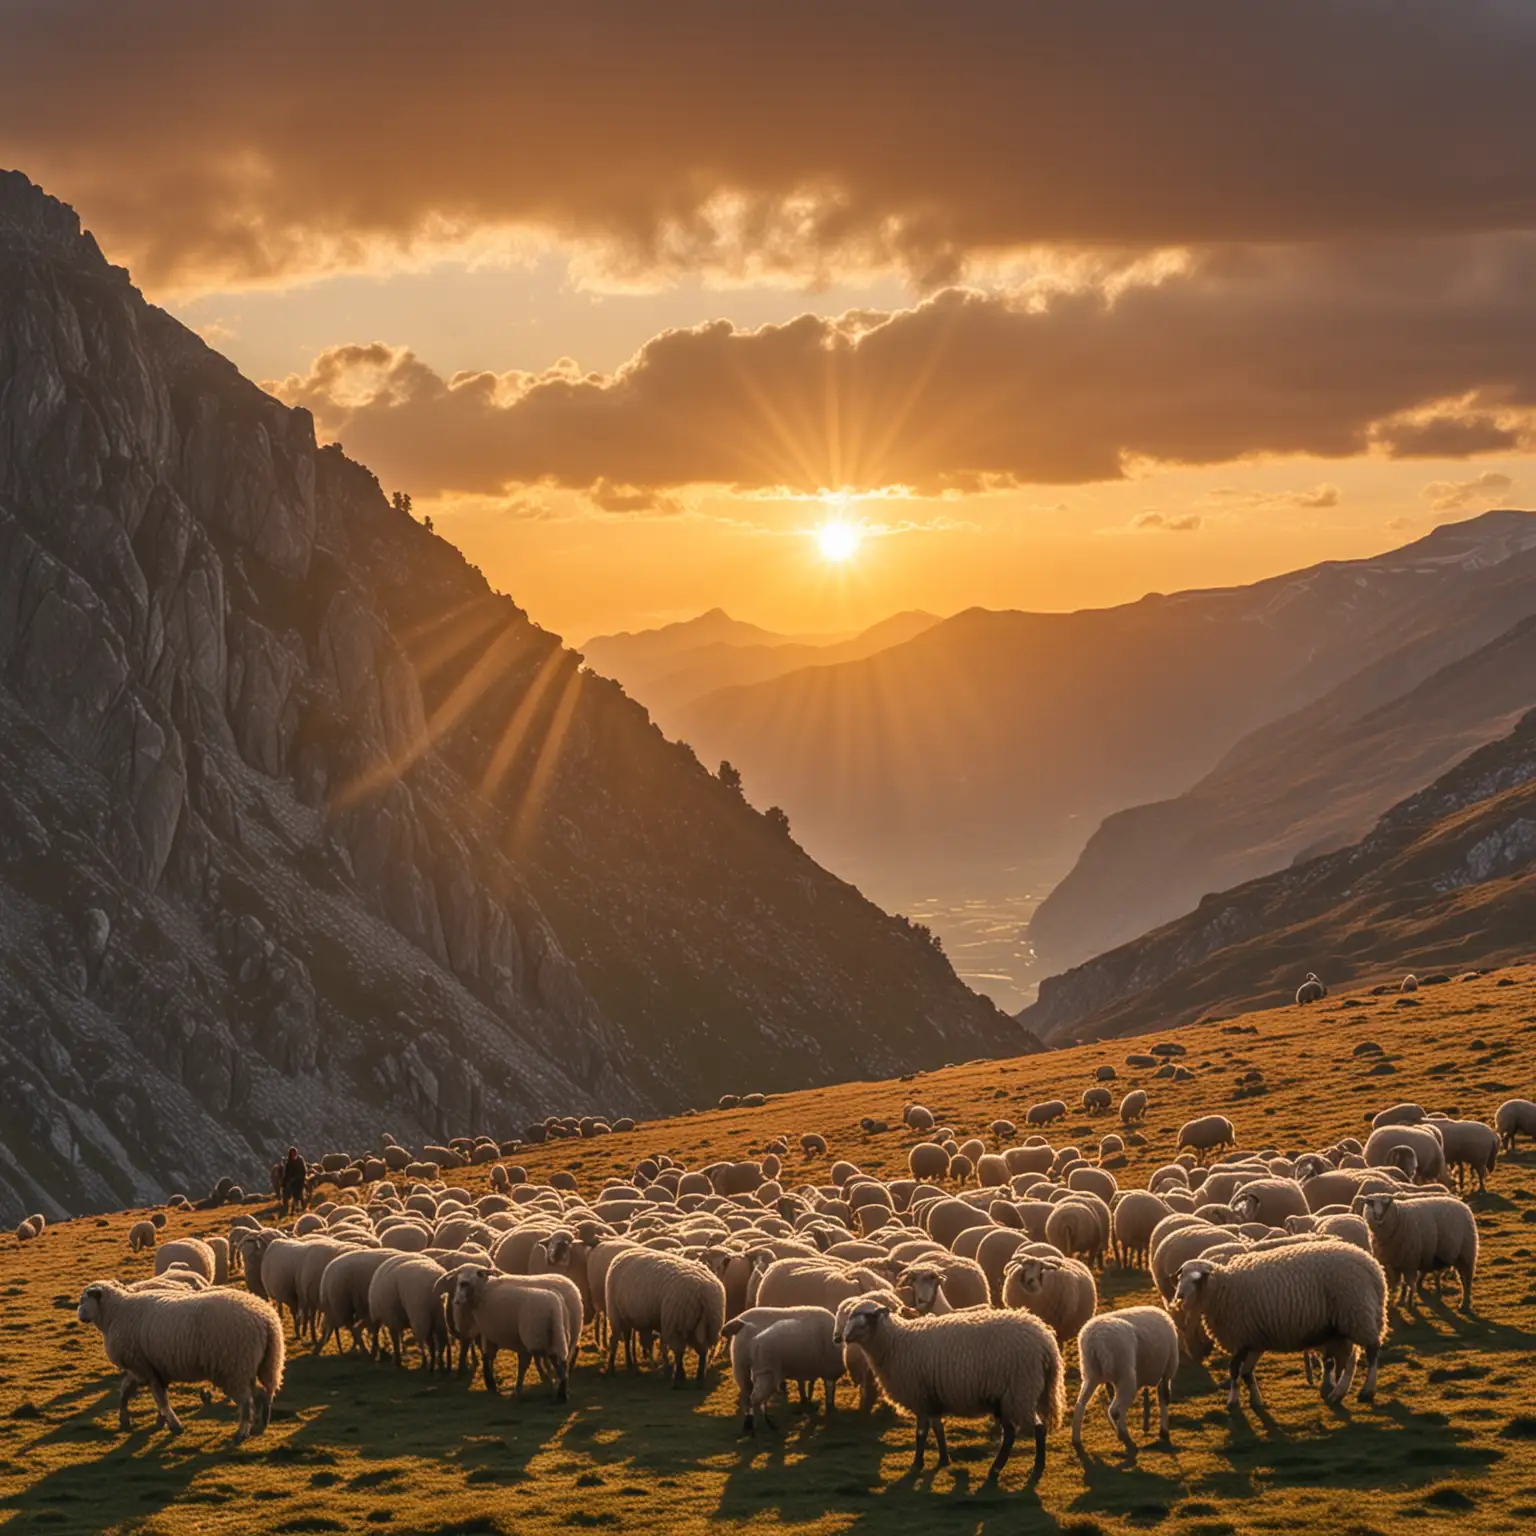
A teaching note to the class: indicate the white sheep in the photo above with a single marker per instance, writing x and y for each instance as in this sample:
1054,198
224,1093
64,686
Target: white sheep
1515,1117
928,1160
771,1346
1136,1214
1313,1295
1134,1349
1415,1238
1207,1133
344,1295
1270,1201
157,1338
1045,1113
1059,1291
1384,1148
402,1295
1005,1365
1133,1106
191,1251
1311,990
510,1312
142,1234
675,1298
946,1284
1470,1146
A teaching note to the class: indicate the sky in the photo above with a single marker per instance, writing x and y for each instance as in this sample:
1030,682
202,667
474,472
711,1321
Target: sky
1051,305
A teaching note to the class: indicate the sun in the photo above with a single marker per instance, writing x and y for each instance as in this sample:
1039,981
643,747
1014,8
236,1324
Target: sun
838,542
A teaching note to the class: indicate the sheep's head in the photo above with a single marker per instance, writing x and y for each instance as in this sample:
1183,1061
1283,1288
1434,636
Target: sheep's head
925,1282
860,1323
1245,1204
1294,1224
1405,1160
1190,1291
1033,1272
1375,1207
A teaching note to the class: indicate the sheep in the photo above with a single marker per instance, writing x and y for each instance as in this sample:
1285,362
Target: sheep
1074,1229
1096,1181
1059,1291
1385,1146
773,1345
142,1234
1515,1117
1110,1146
919,1118
960,1167
402,1295
1105,1073
155,1338
665,1294
928,1160
1414,1238
1270,1201
1135,1215
1133,1106
1314,1295
973,1363
945,1220
1045,1113
1345,1226
946,1284
344,1294
191,1251
813,1145
796,1282
1035,1159
1410,983
993,1252
1311,990
1206,1134
1097,1099
1399,1114
1134,1349
1470,1145
510,1312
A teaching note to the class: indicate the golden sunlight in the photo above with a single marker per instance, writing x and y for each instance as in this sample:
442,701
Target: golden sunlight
838,542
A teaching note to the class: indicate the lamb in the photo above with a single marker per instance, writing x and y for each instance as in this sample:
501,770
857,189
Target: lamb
510,1312
772,1346
191,1251
1311,990
1044,1114
1470,1146
1314,1295
1134,1349
1515,1117
1207,1134
973,1363
142,1234
1059,1291
1414,1238
155,1338
666,1294
1133,1106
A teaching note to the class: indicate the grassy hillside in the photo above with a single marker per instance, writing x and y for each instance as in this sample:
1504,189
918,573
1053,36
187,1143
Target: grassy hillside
354,1446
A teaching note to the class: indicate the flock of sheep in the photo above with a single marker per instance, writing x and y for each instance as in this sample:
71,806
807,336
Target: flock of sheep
953,1292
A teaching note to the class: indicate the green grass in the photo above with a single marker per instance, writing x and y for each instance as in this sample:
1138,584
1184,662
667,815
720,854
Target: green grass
356,1446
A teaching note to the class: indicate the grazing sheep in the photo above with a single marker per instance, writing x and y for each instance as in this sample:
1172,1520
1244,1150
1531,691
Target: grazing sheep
1133,1106
510,1312
1111,1146
991,1170
797,1345
344,1295
1105,1073
1097,1099
813,1145
228,1338
1311,990
928,1160
1470,1146
1045,1113
1414,1238
676,1298
1399,1114
1134,1349
1036,1159
1097,1181
402,1295
1059,1291
1384,1149
1309,1296
191,1251
960,1167
919,1118
142,1234
1515,1117
1074,1229
1003,1364
1410,983
1135,1215
1206,1134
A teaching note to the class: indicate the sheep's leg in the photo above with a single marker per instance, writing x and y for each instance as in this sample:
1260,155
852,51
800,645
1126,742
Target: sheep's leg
938,1435
163,1403
1039,1466
1004,1451
698,1379
523,1358
829,1387
247,1415
488,1365
1255,1397
1306,1363
1164,1398
325,1338
1464,1269
562,1381
130,1385
613,1352
1119,1406
1344,1373
922,1442
1368,1390
1084,1397
1146,1410
1234,1373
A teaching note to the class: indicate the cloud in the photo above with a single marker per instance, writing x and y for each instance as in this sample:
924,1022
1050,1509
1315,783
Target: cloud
219,144
1447,437
1247,353
1181,522
1318,498
1453,495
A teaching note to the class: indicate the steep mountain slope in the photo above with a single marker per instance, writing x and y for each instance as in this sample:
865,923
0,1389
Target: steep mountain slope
1446,879
1317,779
668,687
302,827
996,738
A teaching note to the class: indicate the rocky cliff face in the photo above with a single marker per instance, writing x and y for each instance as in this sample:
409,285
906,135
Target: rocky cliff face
1446,879
305,832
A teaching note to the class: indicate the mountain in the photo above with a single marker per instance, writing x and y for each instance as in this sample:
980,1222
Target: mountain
1446,879
666,685
637,656
1317,779
998,739
304,829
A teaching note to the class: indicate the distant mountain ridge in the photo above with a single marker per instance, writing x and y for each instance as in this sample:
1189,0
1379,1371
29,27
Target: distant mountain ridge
305,830
1000,739
1445,880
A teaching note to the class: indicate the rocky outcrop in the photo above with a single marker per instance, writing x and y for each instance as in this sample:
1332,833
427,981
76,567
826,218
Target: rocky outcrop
304,831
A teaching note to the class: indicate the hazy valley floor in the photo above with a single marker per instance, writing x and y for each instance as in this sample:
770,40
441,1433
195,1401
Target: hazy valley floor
1449,1443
